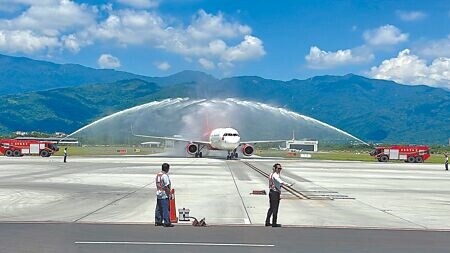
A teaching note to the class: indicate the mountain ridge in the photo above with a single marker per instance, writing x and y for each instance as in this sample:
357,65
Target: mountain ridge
371,109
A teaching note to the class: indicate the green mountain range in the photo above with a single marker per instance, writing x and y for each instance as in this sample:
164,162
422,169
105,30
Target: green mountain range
50,97
20,74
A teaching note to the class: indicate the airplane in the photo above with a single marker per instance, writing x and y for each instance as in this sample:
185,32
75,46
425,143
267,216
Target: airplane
219,139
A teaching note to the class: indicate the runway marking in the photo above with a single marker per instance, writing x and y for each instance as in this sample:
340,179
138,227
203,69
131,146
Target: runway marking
183,244
240,195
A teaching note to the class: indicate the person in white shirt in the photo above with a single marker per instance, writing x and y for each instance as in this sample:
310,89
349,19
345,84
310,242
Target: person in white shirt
275,184
163,185
65,154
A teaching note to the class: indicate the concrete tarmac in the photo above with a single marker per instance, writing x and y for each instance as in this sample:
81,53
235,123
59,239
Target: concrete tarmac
122,190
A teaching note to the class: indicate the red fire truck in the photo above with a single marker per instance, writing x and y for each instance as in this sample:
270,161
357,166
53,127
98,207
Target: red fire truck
410,154
14,147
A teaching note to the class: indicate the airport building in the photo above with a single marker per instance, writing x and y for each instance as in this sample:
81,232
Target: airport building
151,144
309,145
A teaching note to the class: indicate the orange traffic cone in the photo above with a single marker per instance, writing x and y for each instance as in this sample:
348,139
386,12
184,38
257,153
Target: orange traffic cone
172,207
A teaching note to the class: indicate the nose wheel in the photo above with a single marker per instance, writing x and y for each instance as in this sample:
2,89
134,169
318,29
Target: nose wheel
232,155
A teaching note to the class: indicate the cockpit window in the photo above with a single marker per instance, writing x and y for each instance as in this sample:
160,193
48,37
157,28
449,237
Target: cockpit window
229,134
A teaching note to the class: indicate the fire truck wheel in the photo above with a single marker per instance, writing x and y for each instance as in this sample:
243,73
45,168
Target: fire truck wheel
384,158
44,153
16,153
419,159
411,159
8,152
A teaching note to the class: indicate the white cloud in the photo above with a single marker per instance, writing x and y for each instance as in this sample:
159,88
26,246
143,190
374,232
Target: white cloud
26,41
385,35
250,48
408,68
206,37
107,61
411,15
71,43
128,27
52,18
163,65
206,64
67,25
140,3
206,26
319,59
435,48
43,25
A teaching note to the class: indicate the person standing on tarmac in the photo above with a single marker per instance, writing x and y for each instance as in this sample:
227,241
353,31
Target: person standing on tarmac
163,186
446,161
65,154
275,184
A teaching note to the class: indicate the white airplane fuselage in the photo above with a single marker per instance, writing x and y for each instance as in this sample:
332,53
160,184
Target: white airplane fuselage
224,139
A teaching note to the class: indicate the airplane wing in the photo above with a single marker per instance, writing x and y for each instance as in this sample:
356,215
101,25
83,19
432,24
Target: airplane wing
255,142
172,139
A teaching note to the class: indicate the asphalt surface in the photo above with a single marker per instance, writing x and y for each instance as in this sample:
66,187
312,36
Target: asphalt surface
112,238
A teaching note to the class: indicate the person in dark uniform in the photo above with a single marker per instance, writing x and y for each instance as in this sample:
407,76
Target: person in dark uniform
275,184
65,154
446,161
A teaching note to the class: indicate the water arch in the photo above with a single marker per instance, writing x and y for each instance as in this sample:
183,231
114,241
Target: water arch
192,118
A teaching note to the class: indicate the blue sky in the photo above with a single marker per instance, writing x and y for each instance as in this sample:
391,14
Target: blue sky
404,41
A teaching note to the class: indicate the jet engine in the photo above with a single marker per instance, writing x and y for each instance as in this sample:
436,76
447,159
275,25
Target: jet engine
191,148
247,150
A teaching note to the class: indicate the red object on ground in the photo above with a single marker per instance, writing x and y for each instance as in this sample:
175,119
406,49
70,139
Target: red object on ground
172,207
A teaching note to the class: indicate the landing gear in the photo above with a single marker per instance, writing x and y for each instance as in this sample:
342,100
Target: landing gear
232,155
198,152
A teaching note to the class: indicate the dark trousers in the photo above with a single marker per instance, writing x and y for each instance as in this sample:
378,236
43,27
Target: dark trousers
274,200
162,211
446,166
65,158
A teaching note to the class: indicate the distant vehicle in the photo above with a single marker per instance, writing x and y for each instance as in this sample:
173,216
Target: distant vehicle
14,147
410,154
219,139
